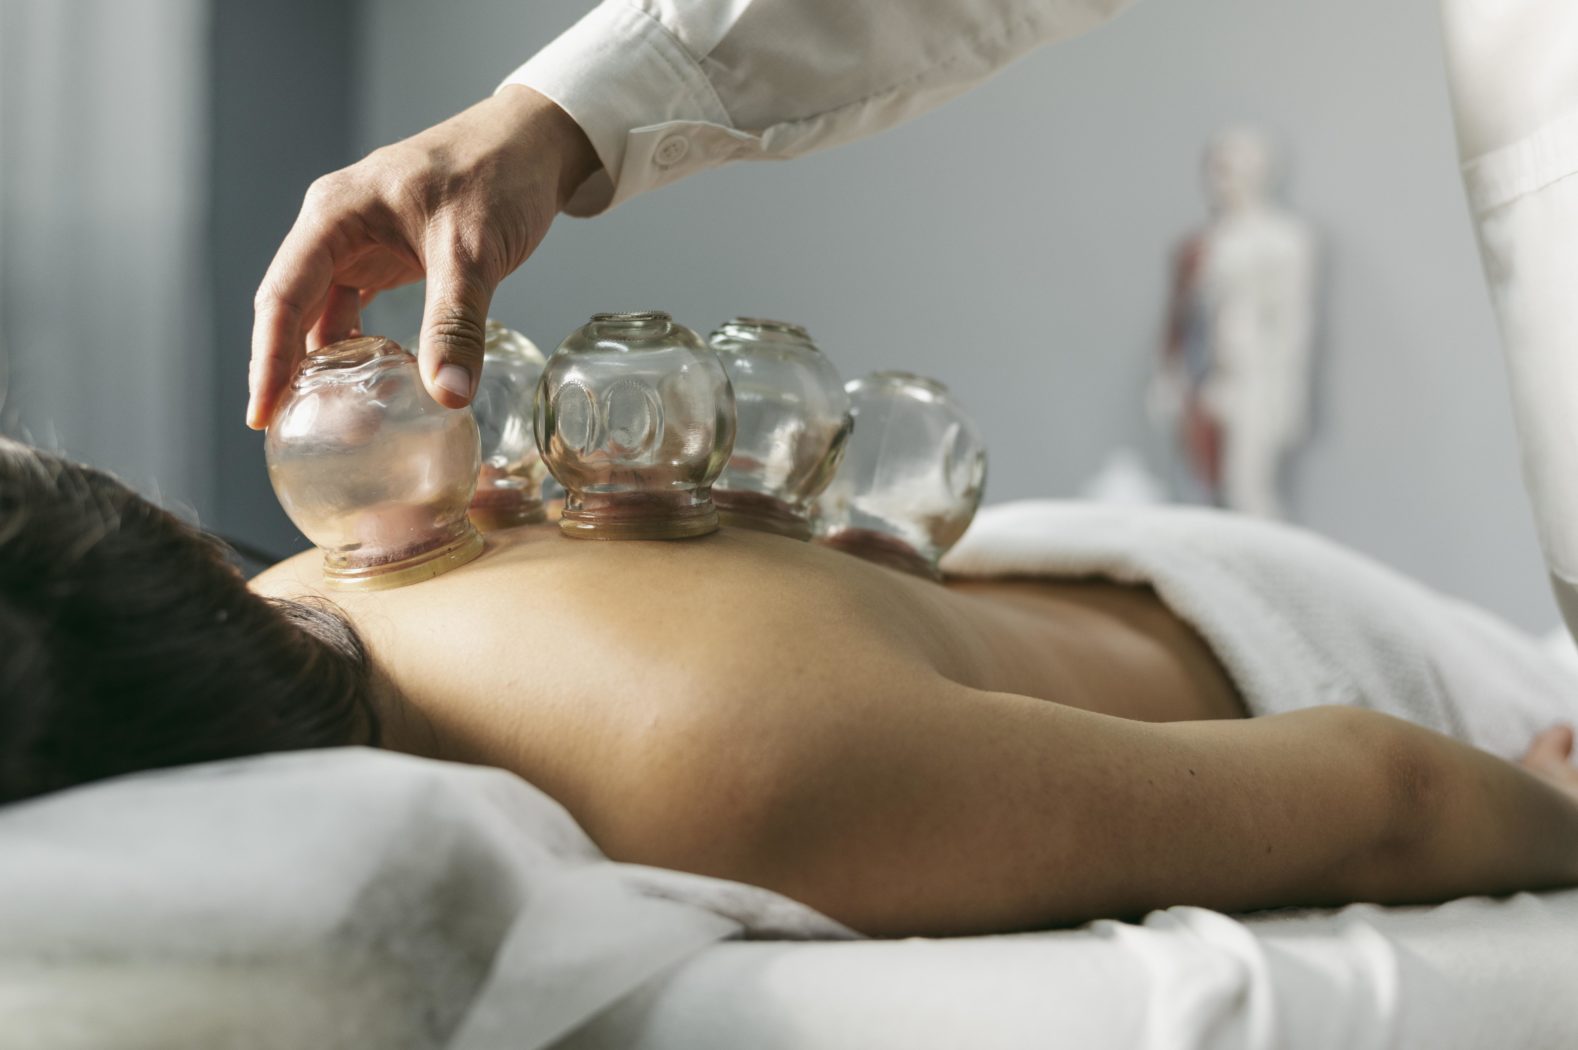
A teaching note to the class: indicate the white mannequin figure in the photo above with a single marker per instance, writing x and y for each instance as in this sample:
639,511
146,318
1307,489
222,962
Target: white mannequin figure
1236,367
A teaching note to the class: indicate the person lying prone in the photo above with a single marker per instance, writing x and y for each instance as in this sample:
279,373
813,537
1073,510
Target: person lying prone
908,758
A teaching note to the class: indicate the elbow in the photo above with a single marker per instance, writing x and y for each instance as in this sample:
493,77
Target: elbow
1409,783
1414,787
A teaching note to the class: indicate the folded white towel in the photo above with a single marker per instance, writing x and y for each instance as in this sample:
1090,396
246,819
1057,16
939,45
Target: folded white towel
1296,620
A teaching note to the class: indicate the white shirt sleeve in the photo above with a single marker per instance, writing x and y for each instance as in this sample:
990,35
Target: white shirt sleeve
666,88
1513,68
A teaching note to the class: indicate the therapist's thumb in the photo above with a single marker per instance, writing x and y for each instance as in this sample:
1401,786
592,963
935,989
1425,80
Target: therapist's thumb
454,320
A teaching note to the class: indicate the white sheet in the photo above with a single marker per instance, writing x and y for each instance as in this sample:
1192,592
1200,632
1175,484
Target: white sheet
356,899
348,898
1474,974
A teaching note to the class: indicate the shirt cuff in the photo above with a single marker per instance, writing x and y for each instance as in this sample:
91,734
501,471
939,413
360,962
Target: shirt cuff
641,98
1524,167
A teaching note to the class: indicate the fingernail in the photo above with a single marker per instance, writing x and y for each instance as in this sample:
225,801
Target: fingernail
456,379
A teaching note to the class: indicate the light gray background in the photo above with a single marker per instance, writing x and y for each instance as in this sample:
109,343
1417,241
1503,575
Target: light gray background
1014,244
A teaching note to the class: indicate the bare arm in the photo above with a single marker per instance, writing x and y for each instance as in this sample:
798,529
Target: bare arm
951,811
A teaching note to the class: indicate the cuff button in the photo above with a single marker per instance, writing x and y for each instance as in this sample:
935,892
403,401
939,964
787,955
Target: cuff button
671,151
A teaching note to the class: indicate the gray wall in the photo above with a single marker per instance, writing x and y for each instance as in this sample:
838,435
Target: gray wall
1014,245
282,115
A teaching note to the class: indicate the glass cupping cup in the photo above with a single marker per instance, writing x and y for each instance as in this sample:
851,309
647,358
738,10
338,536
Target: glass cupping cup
371,469
791,422
509,487
911,478
635,418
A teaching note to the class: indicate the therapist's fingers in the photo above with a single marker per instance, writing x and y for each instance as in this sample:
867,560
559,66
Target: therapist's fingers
454,319
287,305
341,317
463,204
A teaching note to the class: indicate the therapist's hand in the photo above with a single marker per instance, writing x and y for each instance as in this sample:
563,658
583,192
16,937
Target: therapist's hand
463,204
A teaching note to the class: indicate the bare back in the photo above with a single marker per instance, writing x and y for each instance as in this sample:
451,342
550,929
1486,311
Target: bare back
556,658
882,748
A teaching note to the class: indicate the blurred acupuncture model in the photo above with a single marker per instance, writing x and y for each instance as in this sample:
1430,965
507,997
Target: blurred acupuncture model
1233,383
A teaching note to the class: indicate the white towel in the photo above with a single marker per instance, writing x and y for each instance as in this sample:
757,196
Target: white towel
1297,621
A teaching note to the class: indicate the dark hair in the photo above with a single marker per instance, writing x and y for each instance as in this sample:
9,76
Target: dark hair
129,642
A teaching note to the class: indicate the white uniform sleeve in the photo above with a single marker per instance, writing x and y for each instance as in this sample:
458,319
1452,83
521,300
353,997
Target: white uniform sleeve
666,88
1513,66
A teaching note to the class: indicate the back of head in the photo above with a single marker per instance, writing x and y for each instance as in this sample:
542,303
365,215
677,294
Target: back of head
128,641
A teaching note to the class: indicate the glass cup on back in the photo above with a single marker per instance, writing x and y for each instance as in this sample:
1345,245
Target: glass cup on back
371,469
509,487
912,475
635,418
792,419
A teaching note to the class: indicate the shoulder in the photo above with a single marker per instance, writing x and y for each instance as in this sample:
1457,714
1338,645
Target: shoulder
295,577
